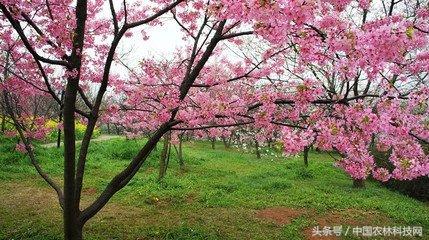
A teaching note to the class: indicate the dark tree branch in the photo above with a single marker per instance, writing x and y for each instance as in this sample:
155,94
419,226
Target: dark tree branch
181,25
154,16
114,19
233,35
15,24
85,98
212,126
48,6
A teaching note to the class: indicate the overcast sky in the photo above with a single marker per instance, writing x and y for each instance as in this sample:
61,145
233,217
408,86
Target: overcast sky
163,40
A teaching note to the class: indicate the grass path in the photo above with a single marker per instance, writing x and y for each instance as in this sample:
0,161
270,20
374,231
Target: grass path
98,139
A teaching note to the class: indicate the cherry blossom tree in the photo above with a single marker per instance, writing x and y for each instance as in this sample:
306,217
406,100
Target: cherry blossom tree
339,74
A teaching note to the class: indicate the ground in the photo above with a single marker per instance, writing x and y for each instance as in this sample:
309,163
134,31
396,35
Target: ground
222,194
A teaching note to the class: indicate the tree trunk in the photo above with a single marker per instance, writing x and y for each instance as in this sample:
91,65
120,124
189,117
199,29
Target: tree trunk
163,157
108,128
71,211
3,123
76,232
59,138
306,150
59,130
60,119
258,152
118,132
71,231
225,142
72,227
358,183
180,154
79,235
213,140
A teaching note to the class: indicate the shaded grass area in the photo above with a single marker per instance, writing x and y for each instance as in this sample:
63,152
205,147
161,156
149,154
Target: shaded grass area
219,196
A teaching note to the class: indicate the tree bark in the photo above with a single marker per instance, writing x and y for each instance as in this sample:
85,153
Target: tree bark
77,232
163,157
306,150
180,153
60,118
59,138
118,132
213,140
225,142
258,152
70,211
3,123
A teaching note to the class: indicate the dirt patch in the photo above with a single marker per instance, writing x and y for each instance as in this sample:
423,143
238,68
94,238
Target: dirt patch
347,219
191,198
279,215
89,191
25,195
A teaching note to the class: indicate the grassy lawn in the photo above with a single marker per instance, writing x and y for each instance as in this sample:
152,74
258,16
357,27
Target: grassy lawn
223,194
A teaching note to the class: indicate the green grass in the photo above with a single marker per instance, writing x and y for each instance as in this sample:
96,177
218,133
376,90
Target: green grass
219,196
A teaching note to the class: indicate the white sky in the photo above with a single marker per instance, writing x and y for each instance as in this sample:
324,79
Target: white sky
162,42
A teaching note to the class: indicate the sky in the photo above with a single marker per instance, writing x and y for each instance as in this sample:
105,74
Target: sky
162,42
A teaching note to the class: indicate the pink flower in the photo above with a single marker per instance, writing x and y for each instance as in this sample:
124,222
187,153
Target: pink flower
381,174
20,147
10,134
